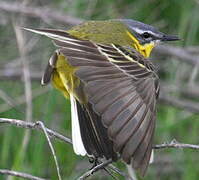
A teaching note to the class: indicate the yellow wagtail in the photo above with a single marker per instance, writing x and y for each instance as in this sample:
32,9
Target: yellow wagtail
102,67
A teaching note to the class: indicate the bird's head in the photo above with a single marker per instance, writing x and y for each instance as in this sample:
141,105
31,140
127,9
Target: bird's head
145,37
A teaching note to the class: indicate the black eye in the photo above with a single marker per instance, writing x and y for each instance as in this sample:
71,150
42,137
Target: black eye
146,35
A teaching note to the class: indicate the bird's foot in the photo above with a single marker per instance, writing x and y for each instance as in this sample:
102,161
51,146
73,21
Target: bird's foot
94,161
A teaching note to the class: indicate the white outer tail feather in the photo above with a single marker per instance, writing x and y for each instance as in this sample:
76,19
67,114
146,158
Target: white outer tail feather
78,145
152,157
131,171
52,34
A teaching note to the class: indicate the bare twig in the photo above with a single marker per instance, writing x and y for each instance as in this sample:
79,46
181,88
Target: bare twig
115,169
41,12
30,125
19,174
175,144
41,124
96,168
52,133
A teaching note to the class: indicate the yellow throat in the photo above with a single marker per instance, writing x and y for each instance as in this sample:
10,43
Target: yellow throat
145,49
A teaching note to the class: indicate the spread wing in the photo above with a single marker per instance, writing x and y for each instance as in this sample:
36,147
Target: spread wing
122,90
122,87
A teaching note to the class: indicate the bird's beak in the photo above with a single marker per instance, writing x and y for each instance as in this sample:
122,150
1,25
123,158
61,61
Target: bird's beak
170,38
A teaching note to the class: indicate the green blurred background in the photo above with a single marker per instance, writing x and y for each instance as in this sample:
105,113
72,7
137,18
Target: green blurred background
22,52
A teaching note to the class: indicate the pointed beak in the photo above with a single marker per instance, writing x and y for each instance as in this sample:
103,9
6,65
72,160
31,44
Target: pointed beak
170,38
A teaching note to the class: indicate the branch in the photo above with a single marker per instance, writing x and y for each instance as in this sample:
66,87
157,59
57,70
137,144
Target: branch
19,174
30,125
175,144
96,168
37,126
52,133
41,124
115,169
44,13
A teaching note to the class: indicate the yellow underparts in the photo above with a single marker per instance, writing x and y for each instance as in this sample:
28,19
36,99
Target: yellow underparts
145,49
63,77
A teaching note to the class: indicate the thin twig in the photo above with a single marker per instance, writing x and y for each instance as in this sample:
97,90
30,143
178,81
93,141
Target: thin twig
52,133
121,173
19,174
30,125
96,168
175,144
116,170
41,124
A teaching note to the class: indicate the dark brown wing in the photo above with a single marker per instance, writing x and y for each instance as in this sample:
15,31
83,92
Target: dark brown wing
121,87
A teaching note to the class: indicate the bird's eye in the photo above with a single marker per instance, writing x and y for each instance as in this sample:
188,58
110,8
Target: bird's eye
146,35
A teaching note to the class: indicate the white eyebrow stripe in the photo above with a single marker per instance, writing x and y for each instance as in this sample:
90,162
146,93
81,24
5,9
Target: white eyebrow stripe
140,31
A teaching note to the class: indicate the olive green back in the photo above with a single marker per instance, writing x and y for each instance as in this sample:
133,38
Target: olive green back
106,32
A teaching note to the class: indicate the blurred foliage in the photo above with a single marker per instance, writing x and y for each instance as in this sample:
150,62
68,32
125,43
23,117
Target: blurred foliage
173,16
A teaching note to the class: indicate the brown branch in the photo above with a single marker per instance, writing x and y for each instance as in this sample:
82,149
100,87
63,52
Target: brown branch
52,133
40,12
95,169
19,174
175,144
115,169
30,125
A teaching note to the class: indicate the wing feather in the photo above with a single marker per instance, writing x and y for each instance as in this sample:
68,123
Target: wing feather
123,93
121,87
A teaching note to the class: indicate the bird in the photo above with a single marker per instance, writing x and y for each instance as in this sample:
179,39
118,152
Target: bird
103,67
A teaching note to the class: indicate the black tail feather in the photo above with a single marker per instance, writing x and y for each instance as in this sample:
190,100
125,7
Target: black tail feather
94,134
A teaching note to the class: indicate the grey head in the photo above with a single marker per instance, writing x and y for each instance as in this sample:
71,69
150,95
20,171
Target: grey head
145,33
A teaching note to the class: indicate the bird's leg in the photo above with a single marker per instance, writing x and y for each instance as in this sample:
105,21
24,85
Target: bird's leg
94,161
